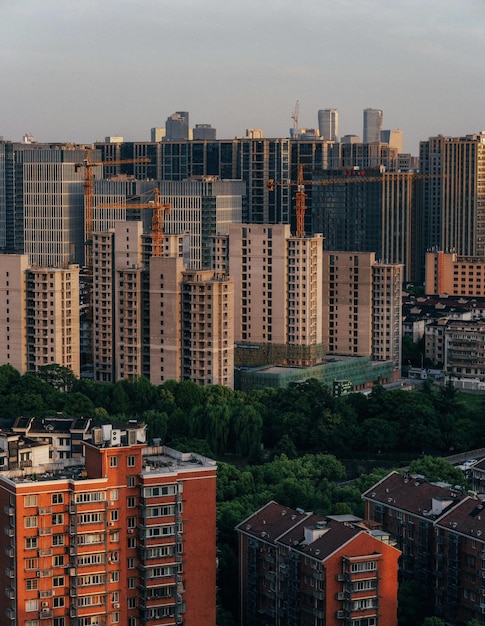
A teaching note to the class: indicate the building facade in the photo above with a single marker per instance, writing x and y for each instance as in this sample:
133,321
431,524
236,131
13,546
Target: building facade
42,202
278,281
362,313
297,568
40,314
453,198
372,125
177,126
440,532
448,273
125,537
328,124
153,316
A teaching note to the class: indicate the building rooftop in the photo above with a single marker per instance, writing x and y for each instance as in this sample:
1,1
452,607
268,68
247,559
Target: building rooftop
467,518
312,534
413,494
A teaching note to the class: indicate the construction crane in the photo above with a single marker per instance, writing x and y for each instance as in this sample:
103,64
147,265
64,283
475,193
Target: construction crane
88,166
349,176
159,210
294,117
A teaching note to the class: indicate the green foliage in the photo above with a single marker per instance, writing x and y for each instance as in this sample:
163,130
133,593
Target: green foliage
412,605
433,621
59,377
437,469
78,405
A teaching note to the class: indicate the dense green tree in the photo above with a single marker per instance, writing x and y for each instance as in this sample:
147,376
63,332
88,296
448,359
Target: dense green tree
412,605
8,376
379,435
157,424
142,395
437,469
78,405
247,427
59,377
120,403
285,446
433,621
188,395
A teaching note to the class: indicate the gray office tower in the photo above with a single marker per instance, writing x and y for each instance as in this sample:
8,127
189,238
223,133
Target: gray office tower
177,126
328,124
203,132
372,125
42,202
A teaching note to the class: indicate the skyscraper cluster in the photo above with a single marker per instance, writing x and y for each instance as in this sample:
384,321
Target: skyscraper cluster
204,297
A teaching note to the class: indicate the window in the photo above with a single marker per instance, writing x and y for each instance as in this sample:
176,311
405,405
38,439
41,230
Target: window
131,481
131,522
131,502
31,584
30,521
131,563
114,577
31,605
30,543
58,581
32,563
90,518
91,496
113,461
32,622
57,498
58,560
59,601
115,617
132,603
364,566
114,514
131,460
30,501
58,621
58,540
166,490
131,583
57,519
113,494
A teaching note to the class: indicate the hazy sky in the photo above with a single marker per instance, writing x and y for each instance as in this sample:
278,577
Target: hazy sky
78,70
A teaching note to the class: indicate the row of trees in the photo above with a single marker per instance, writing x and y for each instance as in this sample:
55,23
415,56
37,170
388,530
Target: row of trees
305,417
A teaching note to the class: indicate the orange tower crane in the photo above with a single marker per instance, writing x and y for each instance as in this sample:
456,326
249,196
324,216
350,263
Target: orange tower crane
159,209
354,176
88,166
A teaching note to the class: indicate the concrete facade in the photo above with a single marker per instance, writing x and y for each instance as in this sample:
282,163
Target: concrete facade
39,310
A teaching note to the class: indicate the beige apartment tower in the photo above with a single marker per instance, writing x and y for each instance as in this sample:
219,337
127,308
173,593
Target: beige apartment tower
278,281
362,306
39,310
191,321
154,317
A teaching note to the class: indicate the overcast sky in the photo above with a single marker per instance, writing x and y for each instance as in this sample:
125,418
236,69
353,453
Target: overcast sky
78,70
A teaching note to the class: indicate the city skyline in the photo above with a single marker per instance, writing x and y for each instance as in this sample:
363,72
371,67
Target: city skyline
80,72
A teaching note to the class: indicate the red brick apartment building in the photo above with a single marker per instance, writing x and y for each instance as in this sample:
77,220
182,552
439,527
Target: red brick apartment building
300,569
128,537
441,533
